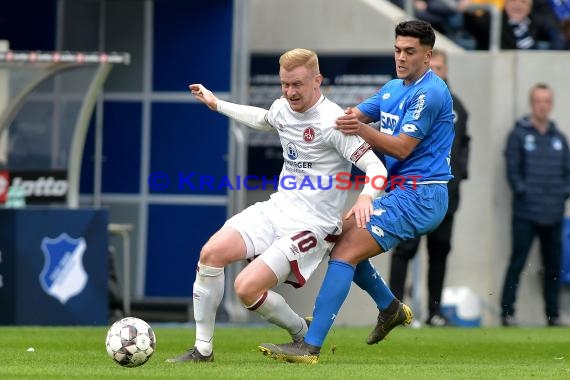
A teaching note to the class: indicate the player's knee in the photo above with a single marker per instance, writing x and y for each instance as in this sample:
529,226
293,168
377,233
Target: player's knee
207,254
350,251
213,256
346,256
243,289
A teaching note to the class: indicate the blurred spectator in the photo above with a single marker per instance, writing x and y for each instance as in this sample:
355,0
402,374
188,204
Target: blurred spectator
538,171
499,4
561,8
445,16
544,14
518,28
565,29
561,11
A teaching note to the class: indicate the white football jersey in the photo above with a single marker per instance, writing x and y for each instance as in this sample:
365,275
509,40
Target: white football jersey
314,154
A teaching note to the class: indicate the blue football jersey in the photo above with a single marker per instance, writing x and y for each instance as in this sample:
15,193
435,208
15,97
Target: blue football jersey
423,110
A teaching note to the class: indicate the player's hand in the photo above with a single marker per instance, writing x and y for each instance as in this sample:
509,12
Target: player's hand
204,95
349,123
361,210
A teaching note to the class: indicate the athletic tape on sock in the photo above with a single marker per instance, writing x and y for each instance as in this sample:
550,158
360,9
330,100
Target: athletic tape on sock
205,270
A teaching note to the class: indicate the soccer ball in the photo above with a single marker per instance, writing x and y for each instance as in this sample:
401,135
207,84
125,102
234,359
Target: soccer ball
130,342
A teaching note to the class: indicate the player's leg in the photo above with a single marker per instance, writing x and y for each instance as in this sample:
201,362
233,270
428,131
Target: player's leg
224,247
369,279
439,246
354,245
523,233
302,250
398,216
337,282
253,286
240,238
391,312
400,257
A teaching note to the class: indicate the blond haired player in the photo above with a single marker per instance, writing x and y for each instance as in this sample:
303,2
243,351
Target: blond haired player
289,234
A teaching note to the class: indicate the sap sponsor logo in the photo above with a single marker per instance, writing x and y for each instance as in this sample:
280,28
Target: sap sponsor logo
420,106
388,122
63,275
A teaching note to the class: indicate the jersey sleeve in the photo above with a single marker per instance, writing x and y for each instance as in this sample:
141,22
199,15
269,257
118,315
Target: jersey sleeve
351,147
274,110
423,109
371,106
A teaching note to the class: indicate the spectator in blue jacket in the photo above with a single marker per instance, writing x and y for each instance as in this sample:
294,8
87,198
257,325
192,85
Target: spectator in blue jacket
538,170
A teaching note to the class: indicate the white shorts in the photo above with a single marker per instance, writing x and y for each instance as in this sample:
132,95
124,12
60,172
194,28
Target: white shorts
292,249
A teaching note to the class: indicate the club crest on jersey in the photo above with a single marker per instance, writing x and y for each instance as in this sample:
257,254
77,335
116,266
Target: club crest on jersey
63,275
292,151
309,134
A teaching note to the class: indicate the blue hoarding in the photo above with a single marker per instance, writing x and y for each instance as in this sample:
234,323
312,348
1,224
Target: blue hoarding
53,266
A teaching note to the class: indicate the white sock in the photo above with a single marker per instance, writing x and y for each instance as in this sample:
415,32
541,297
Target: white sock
272,307
208,293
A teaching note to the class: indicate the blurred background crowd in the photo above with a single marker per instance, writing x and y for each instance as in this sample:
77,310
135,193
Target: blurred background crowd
524,24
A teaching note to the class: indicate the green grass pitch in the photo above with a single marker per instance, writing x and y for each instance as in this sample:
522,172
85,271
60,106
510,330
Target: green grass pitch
425,353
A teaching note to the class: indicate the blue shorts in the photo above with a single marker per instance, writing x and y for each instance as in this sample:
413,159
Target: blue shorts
404,214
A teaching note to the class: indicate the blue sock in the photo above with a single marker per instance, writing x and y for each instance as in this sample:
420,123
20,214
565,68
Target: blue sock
369,280
333,292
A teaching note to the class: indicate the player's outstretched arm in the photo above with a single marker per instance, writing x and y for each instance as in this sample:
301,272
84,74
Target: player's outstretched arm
354,122
253,117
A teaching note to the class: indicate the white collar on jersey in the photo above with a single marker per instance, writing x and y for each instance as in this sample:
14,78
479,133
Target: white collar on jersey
419,79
